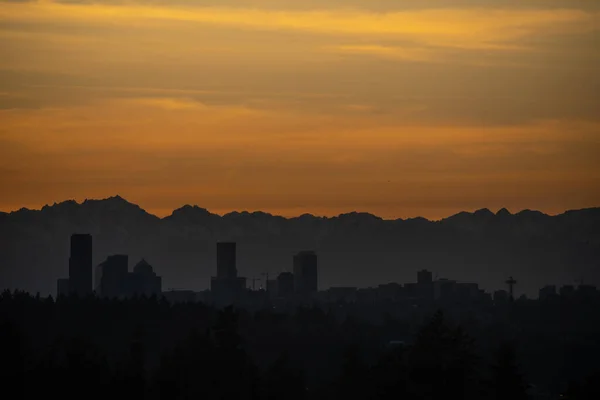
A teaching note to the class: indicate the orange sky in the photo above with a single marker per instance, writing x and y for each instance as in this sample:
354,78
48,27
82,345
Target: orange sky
400,108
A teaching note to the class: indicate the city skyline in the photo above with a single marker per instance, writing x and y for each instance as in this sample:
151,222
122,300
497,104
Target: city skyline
112,279
358,249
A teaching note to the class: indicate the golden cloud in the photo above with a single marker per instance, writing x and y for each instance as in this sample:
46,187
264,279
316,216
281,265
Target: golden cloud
458,28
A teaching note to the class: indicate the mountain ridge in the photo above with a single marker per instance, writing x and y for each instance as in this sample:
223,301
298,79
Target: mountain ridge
118,201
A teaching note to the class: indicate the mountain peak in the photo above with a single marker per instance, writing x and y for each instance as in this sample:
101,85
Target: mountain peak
116,200
190,213
115,204
503,212
483,212
113,200
359,216
531,213
191,209
255,214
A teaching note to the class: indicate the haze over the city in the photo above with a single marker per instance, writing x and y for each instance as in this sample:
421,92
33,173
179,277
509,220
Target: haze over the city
400,108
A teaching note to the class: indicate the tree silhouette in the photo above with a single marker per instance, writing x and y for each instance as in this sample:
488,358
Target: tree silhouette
506,380
148,348
282,381
13,356
442,361
133,378
389,376
587,389
354,375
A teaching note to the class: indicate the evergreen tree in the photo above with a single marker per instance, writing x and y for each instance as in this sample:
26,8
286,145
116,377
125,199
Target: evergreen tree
354,375
507,381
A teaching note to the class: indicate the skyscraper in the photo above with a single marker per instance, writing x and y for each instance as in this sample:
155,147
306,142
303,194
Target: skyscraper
226,267
305,273
111,276
80,264
227,288
425,287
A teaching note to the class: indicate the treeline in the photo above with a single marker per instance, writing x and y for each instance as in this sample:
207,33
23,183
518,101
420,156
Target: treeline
150,349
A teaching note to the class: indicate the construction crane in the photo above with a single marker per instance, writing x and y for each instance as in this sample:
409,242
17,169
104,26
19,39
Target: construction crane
511,282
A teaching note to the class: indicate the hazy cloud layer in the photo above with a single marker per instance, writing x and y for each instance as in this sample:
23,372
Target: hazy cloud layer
400,107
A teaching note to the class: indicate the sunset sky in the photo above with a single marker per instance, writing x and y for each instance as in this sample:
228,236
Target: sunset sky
401,108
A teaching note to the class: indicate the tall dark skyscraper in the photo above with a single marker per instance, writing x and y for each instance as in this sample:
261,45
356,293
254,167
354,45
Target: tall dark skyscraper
80,264
425,286
227,287
226,267
305,273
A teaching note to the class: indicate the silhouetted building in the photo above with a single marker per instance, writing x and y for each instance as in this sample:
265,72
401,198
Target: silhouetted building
547,292
227,288
111,276
285,284
62,287
500,297
144,281
393,291
444,289
424,277
343,294
114,280
367,295
586,291
567,291
425,288
226,260
227,291
80,264
305,273
466,291
272,288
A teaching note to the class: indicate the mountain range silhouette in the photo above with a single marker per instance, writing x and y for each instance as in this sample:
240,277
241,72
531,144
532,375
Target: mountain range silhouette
355,249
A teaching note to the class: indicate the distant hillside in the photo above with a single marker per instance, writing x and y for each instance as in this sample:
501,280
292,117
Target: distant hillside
356,249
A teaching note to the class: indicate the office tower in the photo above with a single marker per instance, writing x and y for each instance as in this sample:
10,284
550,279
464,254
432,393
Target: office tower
466,291
112,276
227,288
444,289
425,286
226,267
285,284
305,273
80,264
424,277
